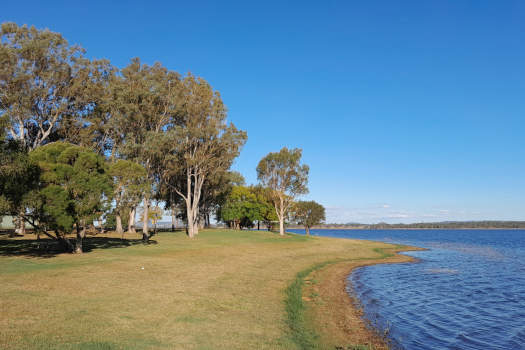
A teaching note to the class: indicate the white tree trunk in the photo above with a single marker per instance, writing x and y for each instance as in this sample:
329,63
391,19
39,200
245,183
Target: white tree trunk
118,221
131,221
145,228
281,217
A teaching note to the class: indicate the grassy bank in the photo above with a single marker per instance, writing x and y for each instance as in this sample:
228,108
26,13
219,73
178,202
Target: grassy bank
223,290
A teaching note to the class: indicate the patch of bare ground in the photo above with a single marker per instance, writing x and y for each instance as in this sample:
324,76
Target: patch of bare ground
335,314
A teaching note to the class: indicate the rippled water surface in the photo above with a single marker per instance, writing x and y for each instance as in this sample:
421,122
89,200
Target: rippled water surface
466,292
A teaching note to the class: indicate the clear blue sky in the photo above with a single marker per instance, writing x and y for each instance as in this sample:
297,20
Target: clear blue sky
405,110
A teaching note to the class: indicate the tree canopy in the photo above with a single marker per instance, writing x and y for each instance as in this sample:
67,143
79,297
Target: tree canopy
283,173
75,187
308,214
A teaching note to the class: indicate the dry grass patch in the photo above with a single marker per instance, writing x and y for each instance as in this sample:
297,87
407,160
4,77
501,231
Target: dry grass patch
223,290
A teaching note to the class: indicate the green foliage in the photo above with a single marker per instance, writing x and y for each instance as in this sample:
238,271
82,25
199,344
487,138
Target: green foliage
47,88
154,214
266,208
309,213
286,178
281,171
241,207
75,186
129,183
17,177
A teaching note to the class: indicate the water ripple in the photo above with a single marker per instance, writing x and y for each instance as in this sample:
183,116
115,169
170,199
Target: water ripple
467,292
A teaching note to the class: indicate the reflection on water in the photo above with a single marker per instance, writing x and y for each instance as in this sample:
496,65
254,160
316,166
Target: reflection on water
466,292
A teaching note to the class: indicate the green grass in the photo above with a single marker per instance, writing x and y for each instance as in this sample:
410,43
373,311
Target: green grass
223,290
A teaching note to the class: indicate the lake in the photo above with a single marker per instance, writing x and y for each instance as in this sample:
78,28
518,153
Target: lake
466,292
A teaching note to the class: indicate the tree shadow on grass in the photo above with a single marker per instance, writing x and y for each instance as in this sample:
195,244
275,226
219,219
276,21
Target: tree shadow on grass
48,248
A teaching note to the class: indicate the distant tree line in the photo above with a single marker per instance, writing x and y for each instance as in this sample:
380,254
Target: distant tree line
486,224
82,141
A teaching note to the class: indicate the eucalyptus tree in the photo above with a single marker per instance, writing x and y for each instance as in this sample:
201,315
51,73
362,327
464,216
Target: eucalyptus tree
201,144
308,214
48,89
285,176
130,182
146,101
45,84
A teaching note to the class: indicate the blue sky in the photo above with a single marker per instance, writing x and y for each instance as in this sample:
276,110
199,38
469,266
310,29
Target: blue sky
405,110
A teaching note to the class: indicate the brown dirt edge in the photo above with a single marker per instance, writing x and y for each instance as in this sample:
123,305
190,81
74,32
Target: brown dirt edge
334,313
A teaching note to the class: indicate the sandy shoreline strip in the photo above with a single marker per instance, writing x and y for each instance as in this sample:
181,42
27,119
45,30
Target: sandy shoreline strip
334,313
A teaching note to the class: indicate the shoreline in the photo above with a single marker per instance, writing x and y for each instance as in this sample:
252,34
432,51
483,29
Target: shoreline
336,313
409,228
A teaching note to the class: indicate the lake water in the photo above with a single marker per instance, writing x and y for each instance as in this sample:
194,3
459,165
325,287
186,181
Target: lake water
466,292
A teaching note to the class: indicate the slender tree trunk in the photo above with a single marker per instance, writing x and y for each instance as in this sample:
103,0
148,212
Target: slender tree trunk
307,229
258,225
173,219
145,229
131,221
281,218
207,220
119,228
20,224
101,225
189,220
81,233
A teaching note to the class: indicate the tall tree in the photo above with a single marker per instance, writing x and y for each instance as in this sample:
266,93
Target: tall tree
145,105
308,214
75,188
44,84
201,144
48,89
130,183
284,175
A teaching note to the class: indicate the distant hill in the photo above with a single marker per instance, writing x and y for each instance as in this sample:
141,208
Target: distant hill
486,224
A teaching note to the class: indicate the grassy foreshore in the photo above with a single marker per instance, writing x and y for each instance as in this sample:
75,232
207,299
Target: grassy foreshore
222,290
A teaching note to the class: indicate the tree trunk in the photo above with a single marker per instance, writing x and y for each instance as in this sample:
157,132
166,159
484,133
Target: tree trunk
207,220
118,221
101,225
145,229
131,221
281,218
307,230
173,219
81,233
20,224
189,220
258,225
119,228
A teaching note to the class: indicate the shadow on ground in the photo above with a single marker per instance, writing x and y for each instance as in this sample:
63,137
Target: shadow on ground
47,248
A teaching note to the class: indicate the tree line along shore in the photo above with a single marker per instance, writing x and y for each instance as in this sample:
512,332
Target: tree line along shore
85,148
487,224
85,142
